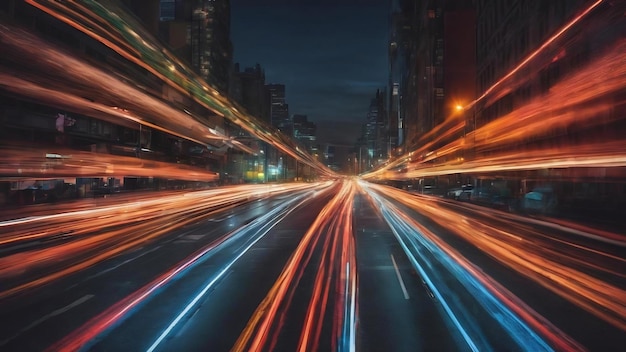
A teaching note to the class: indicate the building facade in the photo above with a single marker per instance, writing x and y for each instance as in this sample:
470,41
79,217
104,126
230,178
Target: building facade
539,66
432,65
68,124
376,132
211,48
304,131
506,35
248,89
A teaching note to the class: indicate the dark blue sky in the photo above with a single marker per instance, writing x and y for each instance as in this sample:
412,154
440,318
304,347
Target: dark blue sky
331,55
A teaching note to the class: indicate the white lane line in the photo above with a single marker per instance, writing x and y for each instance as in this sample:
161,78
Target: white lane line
395,266
61,310
220,219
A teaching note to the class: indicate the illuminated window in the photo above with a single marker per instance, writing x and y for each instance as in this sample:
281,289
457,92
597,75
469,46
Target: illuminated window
168,10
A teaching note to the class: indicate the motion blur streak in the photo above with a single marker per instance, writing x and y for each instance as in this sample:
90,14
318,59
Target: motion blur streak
91,236
73,163
249,235
600,155
581,101
582,275
64,72
105,22
350,320
550,40
434,259
349,281
340,233
331,225
245,237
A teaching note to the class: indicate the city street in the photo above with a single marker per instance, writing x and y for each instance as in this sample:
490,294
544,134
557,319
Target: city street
276,272
362,175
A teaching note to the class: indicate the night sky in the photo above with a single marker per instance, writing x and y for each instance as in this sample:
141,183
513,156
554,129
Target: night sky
331,55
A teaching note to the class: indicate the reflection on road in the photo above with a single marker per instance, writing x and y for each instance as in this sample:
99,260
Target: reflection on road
581,265
88,236
335,281
588,276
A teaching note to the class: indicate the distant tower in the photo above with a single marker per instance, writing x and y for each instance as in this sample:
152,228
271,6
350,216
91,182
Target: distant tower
279,109
375,130
247,87
305,132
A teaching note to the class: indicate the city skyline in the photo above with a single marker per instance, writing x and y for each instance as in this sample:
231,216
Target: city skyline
331,59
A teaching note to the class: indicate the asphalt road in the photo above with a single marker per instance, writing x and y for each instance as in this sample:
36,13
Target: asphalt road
42,316
594,262
272,273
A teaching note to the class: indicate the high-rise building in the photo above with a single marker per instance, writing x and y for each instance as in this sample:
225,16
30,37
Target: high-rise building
248,89
375,130
432,63
278,108
305,134
304,131
211,48
197,31
276,112
530,22
399,41
416,67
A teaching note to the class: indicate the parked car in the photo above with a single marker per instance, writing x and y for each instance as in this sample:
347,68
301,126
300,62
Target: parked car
542,200
459,193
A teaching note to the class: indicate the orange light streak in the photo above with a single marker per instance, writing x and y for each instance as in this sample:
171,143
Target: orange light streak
258,333
543,46
109,230
558,338
27,162
584,99
84,18
559,265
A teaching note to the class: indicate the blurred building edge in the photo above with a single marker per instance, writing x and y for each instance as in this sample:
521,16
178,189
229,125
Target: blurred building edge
508,35
27,120
446,52
432,68
197,31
